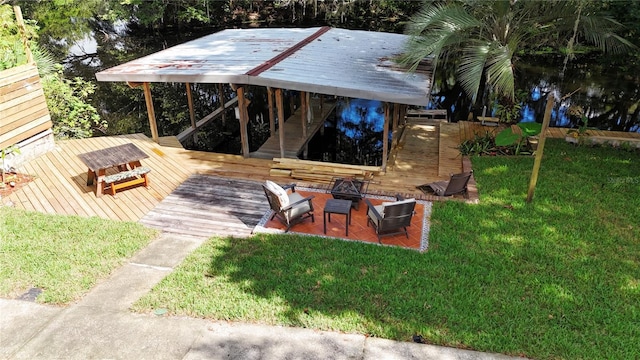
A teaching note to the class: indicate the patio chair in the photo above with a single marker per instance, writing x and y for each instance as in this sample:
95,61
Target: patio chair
455,185
391,218
289,208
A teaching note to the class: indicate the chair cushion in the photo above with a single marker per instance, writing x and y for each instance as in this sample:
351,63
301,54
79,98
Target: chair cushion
299,209
279,191
379,209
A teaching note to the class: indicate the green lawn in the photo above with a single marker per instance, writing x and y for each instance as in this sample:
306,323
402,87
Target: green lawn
558,278
62,255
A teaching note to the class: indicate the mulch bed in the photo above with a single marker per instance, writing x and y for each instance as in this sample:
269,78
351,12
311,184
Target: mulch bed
13,182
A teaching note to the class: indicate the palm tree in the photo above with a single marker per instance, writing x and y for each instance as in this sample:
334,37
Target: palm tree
481,39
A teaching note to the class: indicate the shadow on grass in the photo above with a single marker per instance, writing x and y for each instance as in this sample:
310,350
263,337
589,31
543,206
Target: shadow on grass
557,278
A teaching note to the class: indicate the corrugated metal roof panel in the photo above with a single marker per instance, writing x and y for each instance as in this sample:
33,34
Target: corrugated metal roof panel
227,54
352,63
341,62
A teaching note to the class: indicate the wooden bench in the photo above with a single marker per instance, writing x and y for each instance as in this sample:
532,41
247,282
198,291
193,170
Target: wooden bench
128,178
435,114
489,120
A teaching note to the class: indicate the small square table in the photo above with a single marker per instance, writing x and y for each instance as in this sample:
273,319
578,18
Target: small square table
337,206
125,157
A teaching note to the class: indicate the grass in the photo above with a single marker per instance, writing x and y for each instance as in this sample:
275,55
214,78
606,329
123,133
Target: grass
558,278
62,255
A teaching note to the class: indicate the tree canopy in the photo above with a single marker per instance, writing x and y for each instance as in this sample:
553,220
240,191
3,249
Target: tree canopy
67,99
482,40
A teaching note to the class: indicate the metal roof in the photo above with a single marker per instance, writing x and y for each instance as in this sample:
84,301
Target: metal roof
350,63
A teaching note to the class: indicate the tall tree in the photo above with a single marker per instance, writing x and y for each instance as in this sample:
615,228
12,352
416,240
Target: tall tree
67,100
482,39
61,22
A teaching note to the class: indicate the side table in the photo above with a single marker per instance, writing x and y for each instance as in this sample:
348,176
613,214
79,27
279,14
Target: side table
337,206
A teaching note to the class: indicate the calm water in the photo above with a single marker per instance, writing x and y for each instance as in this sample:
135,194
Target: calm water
609,97
352,135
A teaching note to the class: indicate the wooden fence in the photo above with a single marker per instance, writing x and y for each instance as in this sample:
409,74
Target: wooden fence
23,108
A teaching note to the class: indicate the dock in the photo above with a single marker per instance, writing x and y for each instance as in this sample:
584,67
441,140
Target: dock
294,142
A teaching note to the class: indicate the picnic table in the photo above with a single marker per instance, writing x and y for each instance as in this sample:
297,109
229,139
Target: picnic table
126,158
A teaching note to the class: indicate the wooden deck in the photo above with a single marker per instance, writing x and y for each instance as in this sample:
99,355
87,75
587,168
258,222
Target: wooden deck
468,129
426,153
204,206
425,150
60,184
294,142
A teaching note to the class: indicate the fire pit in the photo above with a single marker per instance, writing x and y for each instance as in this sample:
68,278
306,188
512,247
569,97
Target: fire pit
349,189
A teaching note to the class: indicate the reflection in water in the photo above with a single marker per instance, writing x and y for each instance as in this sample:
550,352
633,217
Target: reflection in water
609,97
353,135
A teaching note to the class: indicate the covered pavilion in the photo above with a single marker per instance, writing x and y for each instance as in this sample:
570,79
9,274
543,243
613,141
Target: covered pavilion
324,61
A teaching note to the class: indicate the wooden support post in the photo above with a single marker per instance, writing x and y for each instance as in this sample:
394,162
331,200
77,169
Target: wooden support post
244,120
280,107
396,125
222,103
540,150
396,116
192,113
403,114
303,113
385,135
309,109
150,112
272,117
23,33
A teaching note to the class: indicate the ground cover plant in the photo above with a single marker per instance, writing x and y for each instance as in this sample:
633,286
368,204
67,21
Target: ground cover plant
558,278
64,256
489,144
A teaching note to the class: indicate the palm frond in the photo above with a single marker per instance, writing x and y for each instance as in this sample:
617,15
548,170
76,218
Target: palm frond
440,18
479,38
44,60
471,68
499,69
600,31
435,29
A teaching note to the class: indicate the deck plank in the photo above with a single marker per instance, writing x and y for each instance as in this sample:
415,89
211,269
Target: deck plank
416,161
25,199
206,205
450,161
62,173
47,180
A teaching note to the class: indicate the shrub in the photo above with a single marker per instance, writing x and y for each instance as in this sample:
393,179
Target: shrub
67,99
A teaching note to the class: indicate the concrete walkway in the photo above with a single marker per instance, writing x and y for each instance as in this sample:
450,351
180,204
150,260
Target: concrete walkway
100,326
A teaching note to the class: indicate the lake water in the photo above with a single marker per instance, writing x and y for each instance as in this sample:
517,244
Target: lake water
351,135
609,96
